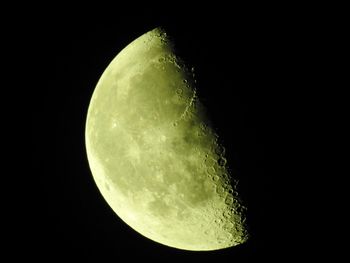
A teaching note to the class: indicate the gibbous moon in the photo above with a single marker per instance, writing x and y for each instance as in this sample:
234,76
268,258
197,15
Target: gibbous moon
153,154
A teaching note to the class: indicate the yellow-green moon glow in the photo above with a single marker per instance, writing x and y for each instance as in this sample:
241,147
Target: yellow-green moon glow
153,154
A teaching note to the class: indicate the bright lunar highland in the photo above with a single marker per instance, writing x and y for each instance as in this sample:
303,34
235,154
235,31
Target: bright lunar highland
154,155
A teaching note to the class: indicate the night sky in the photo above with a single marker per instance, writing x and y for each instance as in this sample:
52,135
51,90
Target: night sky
247,80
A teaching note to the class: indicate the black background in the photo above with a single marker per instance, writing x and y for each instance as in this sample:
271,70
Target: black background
250,69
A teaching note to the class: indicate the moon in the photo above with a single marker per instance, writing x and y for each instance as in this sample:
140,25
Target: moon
154,155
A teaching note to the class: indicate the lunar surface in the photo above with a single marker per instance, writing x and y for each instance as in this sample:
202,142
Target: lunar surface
153,154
